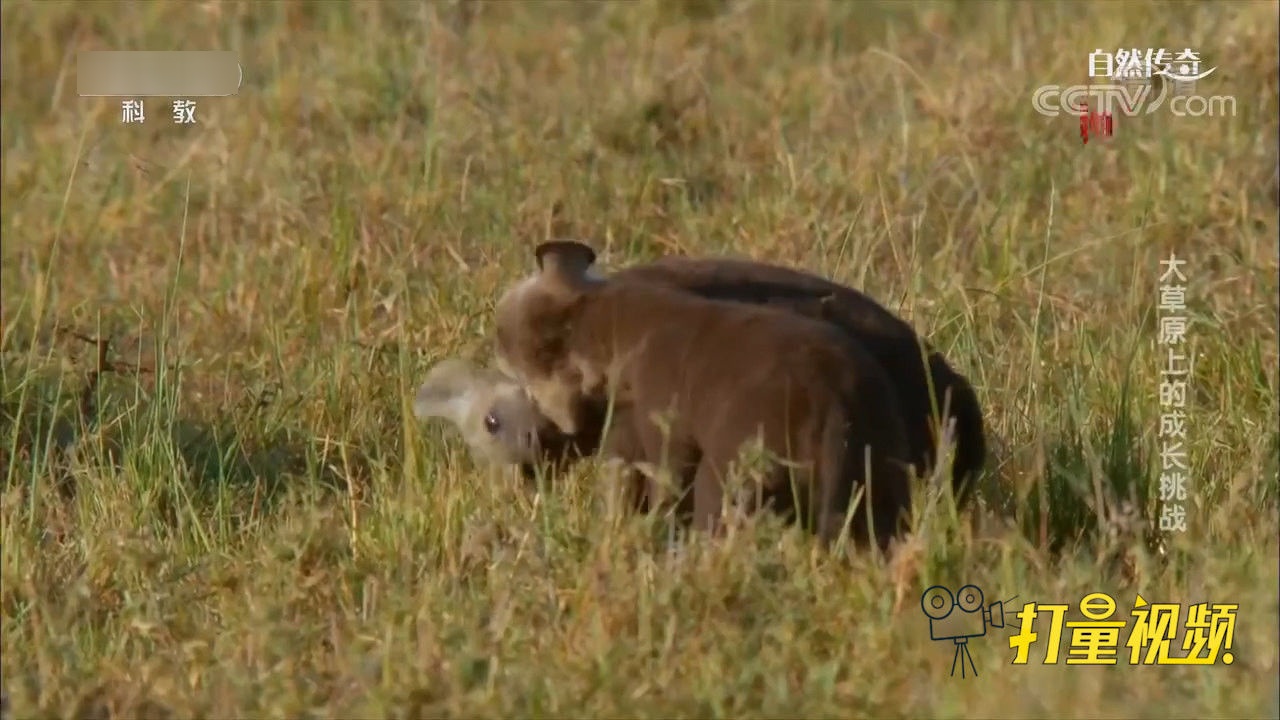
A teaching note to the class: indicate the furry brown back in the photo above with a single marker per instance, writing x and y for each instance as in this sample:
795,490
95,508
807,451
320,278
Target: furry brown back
724,374
890,340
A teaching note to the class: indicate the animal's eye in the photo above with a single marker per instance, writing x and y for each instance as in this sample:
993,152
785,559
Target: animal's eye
491,423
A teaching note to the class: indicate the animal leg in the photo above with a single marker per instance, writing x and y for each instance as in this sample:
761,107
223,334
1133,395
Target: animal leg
622,442
708,495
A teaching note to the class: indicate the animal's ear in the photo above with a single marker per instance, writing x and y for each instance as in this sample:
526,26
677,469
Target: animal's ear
502,365
448,392
566,263
564,253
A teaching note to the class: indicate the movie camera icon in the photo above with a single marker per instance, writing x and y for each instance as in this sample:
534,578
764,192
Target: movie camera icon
940,606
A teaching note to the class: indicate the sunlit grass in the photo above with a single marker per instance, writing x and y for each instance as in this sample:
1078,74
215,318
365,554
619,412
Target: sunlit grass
217,503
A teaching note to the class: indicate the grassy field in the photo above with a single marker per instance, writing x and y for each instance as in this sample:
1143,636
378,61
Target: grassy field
217,502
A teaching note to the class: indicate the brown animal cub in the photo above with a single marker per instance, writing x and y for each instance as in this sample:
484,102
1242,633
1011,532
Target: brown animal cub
925,383
719,375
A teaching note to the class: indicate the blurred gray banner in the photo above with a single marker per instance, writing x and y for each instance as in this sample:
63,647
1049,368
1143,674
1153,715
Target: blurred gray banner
146,73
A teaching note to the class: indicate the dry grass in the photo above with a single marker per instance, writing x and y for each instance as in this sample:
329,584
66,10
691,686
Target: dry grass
238,517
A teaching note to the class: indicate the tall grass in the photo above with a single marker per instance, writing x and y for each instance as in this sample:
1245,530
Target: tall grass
217,503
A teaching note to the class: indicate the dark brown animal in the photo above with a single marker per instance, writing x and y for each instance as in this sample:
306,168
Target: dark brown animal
703,378
927,387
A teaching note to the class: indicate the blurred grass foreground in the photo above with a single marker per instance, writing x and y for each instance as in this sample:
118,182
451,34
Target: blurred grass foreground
217,503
